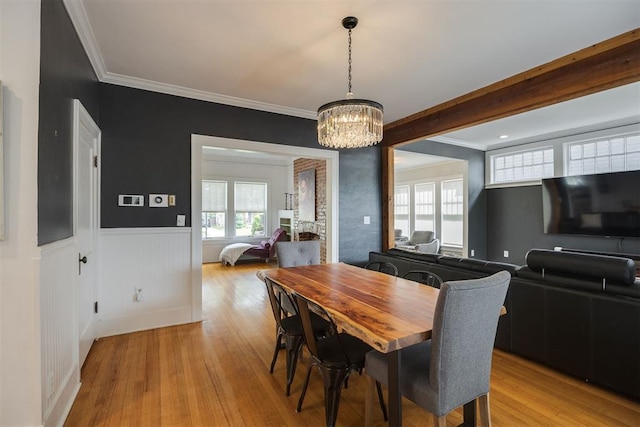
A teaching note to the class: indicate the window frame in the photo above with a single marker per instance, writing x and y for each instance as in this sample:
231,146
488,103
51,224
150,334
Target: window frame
230,213
459,204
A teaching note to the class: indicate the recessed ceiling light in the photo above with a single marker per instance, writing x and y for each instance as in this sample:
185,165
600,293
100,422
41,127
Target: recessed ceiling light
503,136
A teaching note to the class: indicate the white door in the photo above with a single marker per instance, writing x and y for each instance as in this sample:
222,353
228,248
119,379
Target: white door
86,139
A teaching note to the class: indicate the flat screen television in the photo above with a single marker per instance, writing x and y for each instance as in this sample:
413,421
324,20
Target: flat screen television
602,204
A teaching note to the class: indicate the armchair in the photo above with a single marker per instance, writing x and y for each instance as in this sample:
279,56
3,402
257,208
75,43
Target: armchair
421,241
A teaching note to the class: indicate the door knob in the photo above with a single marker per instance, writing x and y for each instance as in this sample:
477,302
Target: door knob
82,259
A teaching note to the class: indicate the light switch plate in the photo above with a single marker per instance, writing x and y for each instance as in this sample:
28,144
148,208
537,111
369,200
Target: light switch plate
135,200
158,200
367,219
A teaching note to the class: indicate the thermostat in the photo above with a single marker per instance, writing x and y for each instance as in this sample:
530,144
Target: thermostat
136,200
158,200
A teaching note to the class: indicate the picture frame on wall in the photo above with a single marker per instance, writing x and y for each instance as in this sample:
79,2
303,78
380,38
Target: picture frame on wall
307,195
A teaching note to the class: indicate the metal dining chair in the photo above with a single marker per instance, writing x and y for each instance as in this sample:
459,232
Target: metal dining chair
382,267
289,328
425,277
454,367
336,356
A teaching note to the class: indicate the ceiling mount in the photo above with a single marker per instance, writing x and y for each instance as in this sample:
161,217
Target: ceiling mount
349,22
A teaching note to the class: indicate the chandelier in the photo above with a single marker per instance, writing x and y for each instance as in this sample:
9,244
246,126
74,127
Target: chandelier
350,122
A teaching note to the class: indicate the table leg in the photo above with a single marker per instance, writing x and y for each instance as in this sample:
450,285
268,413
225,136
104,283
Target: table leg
469,414
395,394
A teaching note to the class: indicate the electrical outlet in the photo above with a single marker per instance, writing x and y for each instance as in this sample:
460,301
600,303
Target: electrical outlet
506,254
181,220
137,294
473,252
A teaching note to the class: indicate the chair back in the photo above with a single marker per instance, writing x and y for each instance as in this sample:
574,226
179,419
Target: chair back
292,254
281,303
425,277
464,331
305,318
382,267
419,236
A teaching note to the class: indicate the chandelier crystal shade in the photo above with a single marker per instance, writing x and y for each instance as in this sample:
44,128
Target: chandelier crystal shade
350,122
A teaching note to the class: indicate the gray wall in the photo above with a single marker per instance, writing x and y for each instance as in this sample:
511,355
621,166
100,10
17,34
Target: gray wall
477,198
515,224
360,196
146,148
65,74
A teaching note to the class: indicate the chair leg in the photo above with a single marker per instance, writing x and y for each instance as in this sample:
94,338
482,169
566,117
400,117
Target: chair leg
333,381
383,406
485,412
275,352
440,421
368,402
293,344
304,387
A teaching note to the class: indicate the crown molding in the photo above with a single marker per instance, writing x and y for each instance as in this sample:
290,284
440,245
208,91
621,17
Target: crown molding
80,20
153,86
458,142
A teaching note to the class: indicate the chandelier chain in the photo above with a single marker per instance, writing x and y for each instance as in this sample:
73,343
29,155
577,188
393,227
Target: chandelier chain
349,91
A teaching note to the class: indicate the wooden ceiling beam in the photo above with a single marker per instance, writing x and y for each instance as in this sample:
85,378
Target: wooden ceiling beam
611,63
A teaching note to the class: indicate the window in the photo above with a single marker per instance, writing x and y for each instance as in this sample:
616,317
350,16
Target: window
250,208
452,200
214,209
401,209
522,166
424,202
603,155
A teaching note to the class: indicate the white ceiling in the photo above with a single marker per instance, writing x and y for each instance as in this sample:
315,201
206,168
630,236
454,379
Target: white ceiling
290,56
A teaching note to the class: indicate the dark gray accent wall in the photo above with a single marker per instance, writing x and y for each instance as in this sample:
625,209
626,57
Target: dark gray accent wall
360,196
65,74
146,148
515,225
477,225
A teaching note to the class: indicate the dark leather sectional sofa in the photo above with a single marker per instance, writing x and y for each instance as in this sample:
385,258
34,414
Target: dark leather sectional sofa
576,312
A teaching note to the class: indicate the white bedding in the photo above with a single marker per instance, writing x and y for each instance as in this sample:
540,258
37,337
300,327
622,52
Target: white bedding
231,253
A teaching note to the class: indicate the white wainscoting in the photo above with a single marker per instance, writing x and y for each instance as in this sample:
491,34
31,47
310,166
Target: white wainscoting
156,260
60,376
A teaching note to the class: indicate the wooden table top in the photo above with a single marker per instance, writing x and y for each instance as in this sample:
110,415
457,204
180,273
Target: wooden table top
386,312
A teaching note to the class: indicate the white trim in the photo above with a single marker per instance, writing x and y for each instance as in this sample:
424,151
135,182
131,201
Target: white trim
198,142
152,86
458,142
78,16
558,145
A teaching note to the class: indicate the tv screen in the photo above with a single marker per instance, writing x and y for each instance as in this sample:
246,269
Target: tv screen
603,205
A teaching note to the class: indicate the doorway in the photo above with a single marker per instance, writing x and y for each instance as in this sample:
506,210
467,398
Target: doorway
198,142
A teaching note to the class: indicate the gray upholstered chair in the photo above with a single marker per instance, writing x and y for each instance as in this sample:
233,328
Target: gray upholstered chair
453,368
292,254
421,241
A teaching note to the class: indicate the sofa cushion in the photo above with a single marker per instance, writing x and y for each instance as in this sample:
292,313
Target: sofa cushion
611,269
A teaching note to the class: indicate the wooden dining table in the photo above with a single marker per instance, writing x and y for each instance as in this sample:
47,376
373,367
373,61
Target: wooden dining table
387,312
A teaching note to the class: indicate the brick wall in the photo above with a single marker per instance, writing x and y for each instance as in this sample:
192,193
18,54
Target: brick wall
320,166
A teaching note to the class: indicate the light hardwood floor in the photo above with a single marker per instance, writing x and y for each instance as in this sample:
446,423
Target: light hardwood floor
216,373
